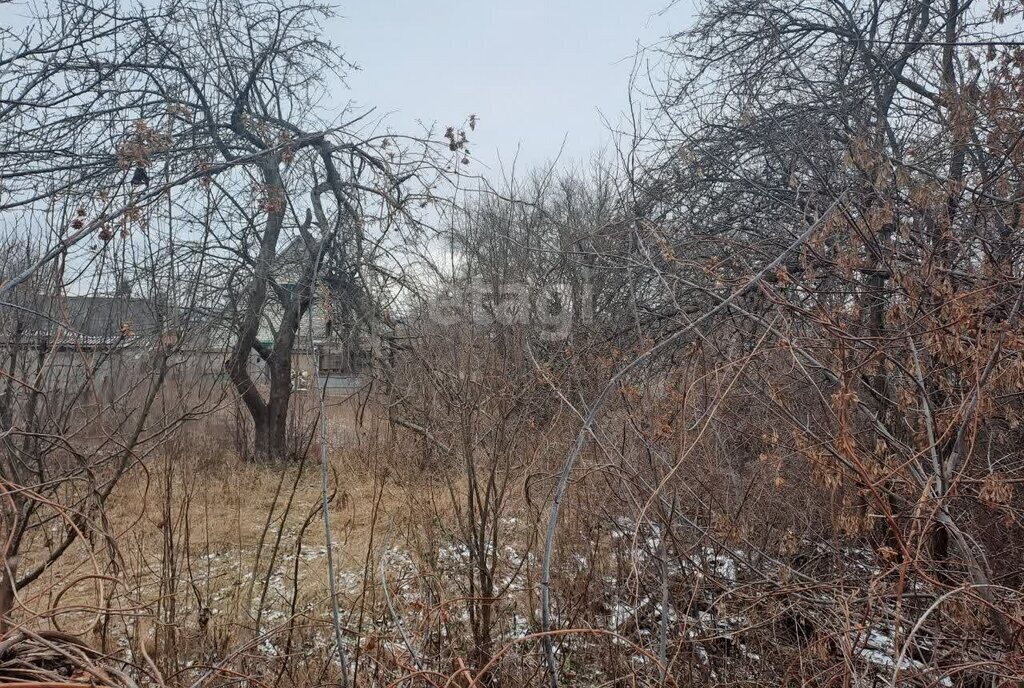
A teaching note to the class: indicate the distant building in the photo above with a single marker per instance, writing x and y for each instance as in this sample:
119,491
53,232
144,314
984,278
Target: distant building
346,349
110,340
102,342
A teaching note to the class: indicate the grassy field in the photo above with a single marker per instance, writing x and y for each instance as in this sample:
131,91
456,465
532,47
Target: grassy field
219,558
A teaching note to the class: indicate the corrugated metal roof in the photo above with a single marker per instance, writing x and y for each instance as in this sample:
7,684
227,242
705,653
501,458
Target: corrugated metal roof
90,320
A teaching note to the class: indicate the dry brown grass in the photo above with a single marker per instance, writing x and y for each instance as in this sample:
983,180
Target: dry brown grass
221,561
211,549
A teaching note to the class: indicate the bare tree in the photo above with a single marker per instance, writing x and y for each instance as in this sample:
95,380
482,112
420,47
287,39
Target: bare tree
237,89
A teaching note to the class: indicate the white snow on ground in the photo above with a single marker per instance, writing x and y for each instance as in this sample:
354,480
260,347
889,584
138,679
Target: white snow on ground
878,647
635,551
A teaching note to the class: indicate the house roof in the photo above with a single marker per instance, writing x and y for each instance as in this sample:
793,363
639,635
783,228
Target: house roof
290,259
108,316
93,320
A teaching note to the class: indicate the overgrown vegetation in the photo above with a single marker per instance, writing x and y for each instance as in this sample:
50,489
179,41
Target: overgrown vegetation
282,404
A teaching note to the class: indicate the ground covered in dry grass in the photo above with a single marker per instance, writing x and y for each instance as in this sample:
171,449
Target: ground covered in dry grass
224,561
201,568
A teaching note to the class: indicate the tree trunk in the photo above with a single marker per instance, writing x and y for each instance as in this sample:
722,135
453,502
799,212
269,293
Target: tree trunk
270,416
270,439
266,440
275,443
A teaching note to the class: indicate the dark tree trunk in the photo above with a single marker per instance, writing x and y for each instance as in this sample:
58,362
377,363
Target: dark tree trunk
270,415
270,439
265,441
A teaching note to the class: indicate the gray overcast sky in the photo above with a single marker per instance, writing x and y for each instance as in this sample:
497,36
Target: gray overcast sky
535,71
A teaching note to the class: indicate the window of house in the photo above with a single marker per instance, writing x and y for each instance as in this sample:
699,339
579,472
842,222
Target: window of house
334,363
344,362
